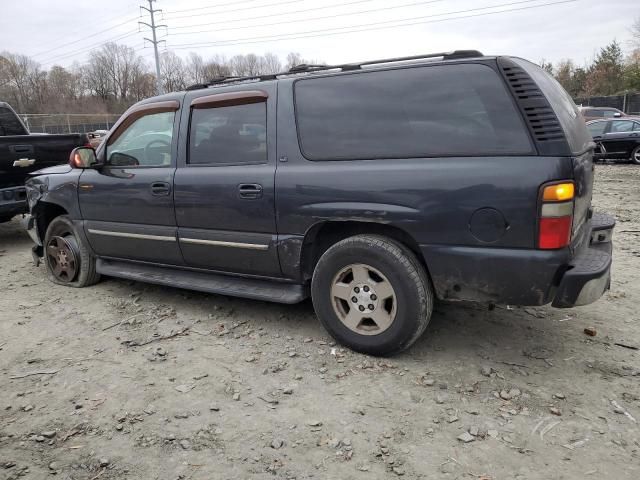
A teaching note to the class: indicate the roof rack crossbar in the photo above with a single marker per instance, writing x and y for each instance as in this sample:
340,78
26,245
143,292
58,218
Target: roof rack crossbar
310,68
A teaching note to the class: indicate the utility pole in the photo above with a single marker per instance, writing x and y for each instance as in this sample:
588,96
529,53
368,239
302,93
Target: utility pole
154,41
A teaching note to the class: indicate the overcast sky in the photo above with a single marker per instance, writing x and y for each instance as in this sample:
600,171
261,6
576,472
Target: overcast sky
64,31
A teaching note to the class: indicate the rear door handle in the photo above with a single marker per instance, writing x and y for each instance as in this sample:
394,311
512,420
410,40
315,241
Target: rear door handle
160,188
250,191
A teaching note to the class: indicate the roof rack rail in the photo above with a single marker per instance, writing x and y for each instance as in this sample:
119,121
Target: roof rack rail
310,68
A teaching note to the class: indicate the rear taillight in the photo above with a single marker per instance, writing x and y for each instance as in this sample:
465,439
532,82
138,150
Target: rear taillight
556,215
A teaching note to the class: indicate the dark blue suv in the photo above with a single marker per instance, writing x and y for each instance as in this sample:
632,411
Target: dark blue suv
375,188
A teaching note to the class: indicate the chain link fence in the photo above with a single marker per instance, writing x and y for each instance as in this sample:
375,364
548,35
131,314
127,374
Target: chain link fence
68,122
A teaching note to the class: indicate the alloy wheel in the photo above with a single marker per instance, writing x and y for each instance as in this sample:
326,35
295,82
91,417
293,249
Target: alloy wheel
62,258
363,299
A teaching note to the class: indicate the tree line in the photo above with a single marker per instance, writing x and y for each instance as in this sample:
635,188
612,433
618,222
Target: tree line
115,77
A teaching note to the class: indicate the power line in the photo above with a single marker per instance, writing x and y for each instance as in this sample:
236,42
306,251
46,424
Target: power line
370,26
62,56
93,35
171,12
275,4
308,19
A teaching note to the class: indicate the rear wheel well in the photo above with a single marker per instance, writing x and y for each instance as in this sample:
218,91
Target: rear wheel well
321,236
45,213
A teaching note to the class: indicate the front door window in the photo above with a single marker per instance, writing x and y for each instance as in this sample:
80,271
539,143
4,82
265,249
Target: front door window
144,143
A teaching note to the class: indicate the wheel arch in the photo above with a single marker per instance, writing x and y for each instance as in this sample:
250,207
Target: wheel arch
44,213
323,235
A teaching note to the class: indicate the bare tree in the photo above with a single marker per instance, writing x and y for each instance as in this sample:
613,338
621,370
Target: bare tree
271,63
172,72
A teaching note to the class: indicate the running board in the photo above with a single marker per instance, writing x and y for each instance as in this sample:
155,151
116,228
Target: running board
270,291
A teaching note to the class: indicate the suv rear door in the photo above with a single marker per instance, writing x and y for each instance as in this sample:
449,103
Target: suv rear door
224,185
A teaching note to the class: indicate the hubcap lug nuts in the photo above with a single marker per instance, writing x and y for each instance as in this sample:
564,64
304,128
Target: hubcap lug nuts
357,290
370,307
365,288
354,299
361,308
373,297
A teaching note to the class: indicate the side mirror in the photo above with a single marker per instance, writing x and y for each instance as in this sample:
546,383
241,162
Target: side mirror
617,115
83,157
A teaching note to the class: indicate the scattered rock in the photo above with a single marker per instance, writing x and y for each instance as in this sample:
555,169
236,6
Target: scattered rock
49,434
555,411
514,393
474,431
314,423
559,396
486,371
27,408
448,467
492,433
54,466
214,407
184,388
441,398
236,396
287,391
277,443
104,462
185,444
466,437
591,331
505,395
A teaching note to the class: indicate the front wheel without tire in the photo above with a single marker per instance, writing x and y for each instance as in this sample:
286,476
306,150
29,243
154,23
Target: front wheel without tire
66,257
372,294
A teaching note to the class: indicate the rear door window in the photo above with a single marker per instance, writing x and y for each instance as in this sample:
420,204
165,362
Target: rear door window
621,126
461,109
230,135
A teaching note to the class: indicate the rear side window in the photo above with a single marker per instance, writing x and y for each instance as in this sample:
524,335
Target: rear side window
408,113
594,113
233,135
610,113
9,123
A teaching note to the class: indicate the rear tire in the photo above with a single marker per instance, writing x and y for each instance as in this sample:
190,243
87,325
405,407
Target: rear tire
635,156
66,256
372,294
6,218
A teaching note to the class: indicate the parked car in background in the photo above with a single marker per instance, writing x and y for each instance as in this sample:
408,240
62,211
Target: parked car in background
375,188
617,139
22,153
96,137
594,113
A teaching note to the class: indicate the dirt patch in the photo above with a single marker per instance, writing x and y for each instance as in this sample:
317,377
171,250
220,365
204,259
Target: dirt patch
127,380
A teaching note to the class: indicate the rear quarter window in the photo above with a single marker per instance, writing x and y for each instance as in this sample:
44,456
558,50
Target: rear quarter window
444,110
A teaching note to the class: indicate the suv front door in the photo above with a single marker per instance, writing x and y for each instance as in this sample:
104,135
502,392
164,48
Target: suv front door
127,204
224,185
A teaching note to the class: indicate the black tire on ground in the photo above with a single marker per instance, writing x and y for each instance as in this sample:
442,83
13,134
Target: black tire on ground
635,156
5,218
413,295
84,266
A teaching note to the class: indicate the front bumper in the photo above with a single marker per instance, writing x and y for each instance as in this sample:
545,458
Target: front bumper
30,225
589,273
12,201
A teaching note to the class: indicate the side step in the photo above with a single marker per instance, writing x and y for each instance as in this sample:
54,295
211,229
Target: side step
205,282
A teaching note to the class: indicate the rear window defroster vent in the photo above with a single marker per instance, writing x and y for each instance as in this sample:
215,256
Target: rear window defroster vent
540,116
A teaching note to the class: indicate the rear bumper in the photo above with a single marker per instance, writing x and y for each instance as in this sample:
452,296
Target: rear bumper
589,273
12,201
524,277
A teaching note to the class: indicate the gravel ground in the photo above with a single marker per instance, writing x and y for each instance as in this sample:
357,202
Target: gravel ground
127,380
